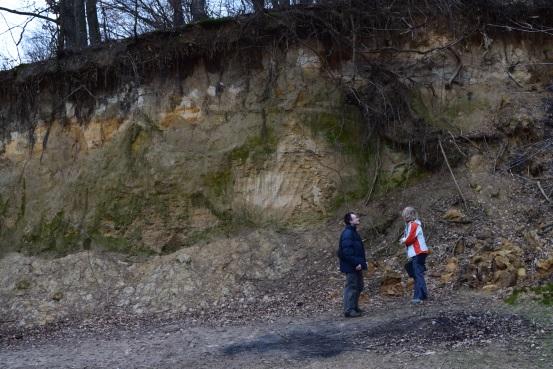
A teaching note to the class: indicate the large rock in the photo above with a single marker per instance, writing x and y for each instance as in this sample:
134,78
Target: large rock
499,268
544,267
391,284
450,274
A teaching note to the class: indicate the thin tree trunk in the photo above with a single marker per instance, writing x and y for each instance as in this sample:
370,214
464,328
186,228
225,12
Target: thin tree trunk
92,20
80,23
67,25
178,14
280,4
135,26
198,10
104,22
258,5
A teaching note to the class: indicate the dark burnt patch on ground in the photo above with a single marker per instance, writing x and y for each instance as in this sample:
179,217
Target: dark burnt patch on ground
441,330
447,330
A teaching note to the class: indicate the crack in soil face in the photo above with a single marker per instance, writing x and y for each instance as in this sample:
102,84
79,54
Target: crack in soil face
414,333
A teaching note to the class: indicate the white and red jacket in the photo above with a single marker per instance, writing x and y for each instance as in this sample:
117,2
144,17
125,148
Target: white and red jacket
414,239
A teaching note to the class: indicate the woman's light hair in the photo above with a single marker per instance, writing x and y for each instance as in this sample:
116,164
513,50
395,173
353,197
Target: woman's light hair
409,214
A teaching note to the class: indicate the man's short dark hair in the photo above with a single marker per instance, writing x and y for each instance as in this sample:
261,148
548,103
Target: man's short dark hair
347,218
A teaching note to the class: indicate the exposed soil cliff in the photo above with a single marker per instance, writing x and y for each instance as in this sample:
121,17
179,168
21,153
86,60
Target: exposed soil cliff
174,173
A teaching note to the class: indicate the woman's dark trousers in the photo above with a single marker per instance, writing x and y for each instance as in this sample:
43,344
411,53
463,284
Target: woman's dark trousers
418,264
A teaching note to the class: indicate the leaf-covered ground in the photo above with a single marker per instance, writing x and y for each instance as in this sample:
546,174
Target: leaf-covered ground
461,331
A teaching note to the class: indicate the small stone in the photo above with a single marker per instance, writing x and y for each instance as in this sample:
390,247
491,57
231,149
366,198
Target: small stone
483,234
545,266
490,287
502,262
452,265
454,215
184,259
505,278
446,278
476,163
23,285
57,296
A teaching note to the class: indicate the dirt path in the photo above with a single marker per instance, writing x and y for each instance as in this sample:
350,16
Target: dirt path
474,333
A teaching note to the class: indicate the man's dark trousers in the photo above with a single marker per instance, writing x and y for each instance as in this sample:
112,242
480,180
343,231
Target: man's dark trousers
354,286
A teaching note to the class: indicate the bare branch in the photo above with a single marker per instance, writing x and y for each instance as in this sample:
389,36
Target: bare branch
452,175
30,14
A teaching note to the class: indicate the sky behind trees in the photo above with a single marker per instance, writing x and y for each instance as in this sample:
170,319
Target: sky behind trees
11,26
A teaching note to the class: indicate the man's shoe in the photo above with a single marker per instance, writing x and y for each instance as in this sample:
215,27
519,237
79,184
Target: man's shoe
352,314
416,301
360,311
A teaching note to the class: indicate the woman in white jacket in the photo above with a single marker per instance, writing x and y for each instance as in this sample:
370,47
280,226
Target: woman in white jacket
417,251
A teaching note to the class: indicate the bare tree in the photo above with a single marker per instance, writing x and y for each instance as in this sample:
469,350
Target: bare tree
80,31
198,10
6,63
40,44
92,21
148,15
258,5
66,18
178,13
71,21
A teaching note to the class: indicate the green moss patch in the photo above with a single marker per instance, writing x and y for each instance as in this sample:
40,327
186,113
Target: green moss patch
445,114
344,130
23,284
56,235
542,294
218,183
3,206
120,209
119,244
256,148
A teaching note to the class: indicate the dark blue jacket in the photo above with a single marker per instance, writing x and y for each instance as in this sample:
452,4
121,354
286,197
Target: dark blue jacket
352,251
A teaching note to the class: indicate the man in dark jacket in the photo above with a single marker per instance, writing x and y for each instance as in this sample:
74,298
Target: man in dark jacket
352,263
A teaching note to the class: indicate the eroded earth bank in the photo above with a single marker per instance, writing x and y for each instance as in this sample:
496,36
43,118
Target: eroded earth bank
175,200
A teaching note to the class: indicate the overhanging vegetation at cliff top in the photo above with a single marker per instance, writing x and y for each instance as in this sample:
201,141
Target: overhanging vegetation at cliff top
381,25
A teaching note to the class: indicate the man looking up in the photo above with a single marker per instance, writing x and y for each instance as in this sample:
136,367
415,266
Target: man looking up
352,262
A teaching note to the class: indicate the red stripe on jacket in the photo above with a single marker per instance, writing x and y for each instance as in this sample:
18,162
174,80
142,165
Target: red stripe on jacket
413,240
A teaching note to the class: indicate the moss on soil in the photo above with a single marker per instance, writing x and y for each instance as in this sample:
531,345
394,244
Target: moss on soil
52,235
542,294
